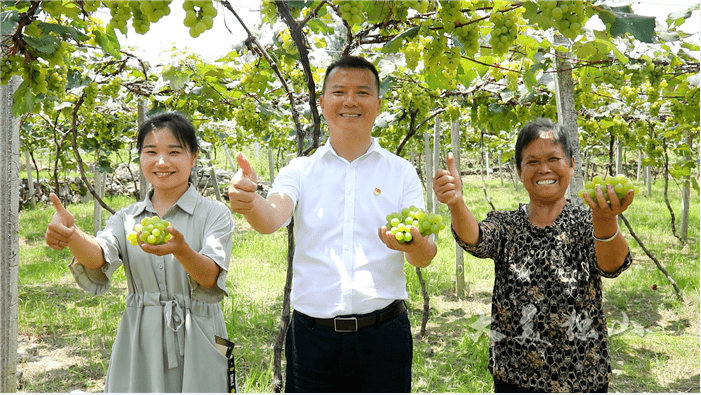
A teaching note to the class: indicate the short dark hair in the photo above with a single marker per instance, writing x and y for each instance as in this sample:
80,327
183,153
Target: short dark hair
179,125
533,130
352,62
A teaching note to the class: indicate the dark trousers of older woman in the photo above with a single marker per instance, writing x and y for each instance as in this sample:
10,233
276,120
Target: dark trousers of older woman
502,386
373,359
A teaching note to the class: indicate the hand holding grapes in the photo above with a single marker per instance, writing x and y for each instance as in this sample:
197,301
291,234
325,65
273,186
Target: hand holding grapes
418,242
176,243
608,198
243,186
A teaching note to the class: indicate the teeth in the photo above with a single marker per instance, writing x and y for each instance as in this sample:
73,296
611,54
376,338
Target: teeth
350,115
162,174
545,182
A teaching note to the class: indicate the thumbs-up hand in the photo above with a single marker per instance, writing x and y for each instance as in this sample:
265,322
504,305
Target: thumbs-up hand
447,184
61,228
243,186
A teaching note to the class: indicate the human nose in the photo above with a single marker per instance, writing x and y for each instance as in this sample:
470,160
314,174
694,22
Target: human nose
350,100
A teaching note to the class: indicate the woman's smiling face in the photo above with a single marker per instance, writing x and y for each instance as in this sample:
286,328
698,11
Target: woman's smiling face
545,170
166,164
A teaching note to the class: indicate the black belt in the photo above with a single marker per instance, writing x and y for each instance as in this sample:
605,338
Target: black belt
353,323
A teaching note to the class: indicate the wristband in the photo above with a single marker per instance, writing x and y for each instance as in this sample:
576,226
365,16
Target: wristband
606,240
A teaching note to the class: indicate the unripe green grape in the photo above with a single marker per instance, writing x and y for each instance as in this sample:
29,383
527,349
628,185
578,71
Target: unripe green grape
153,231
620,183
401,222
199,16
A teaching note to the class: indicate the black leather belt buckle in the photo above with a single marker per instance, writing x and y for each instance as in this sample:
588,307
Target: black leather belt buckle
345,324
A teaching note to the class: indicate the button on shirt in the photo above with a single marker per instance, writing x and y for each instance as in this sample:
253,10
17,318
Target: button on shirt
340,264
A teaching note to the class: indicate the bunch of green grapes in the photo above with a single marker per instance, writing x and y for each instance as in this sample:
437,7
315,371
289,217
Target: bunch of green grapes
451,18
351,11
56,58
254,82
33,75
57,82
613,76
400,223
505,30
112,88
439,56
468,33
676,108
155,9
11,65
383,11
199,16
298,82
629,95
620,183
153,231
413,97
433,50
567,17
284,39
120,12
619,127
691,110
421,6
249,118
637,77
140,22
91,6
448,15
412,52
452,112
652,92
90,98
692,98
654,74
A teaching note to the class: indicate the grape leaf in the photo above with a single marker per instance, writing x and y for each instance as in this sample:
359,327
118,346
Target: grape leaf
9,22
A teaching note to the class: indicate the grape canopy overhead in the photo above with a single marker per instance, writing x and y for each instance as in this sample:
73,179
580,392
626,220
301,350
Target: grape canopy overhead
489,63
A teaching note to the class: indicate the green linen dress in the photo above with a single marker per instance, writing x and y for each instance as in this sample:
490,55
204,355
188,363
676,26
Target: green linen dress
166,339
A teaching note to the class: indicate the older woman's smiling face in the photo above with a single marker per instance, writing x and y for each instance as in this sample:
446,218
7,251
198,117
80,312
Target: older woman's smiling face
545,169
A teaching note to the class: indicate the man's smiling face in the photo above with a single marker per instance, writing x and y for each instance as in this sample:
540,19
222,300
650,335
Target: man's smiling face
351,101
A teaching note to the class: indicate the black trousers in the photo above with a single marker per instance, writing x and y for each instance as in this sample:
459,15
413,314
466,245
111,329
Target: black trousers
374,359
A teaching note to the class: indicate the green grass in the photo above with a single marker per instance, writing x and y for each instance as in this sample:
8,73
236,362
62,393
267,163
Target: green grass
654,335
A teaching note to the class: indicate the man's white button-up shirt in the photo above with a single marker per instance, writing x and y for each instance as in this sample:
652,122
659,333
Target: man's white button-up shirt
340,264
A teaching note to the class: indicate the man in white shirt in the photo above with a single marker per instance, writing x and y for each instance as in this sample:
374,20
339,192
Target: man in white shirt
350,330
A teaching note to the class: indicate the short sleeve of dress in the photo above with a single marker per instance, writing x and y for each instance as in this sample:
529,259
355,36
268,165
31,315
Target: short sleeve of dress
97,281
490,230
217,243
